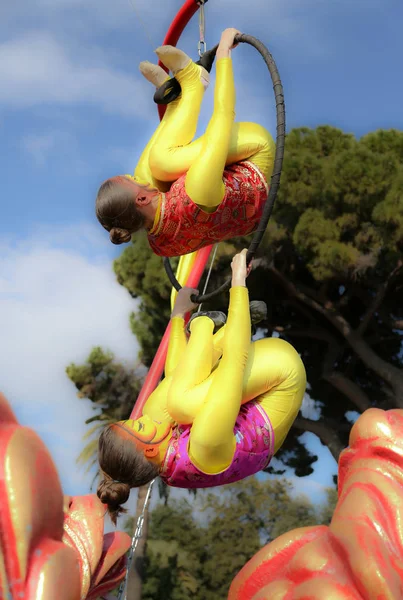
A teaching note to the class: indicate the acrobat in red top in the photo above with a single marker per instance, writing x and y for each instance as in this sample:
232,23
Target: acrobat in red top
181,226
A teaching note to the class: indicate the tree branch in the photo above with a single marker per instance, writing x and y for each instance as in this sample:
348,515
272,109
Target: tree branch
378,299
341,382
327,434
391,374
350,389
391,323
315,333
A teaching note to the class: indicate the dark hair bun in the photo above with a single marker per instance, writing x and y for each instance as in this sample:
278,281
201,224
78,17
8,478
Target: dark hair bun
119,236
113,493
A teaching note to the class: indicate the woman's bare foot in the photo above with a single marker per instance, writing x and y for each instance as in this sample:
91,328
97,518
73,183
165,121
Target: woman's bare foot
153,73
173,58
180,63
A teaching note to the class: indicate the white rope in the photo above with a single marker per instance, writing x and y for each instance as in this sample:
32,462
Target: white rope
209,273
145,29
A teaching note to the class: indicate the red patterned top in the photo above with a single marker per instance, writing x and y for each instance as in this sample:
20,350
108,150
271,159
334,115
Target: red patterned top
183,227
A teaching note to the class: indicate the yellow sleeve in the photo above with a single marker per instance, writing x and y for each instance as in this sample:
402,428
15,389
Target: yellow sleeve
156,404
177,345
212,441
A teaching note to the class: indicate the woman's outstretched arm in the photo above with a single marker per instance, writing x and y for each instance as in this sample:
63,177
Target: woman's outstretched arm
212,440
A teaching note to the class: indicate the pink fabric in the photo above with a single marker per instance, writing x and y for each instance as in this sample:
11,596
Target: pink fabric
183,227
254,450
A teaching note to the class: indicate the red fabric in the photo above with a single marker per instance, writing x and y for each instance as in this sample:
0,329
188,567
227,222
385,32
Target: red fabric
254,449
183,227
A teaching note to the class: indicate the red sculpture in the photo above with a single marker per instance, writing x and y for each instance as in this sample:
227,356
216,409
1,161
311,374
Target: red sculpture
51,547
360,555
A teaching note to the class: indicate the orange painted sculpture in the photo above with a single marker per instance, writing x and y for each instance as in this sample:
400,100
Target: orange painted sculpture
360,555
51,547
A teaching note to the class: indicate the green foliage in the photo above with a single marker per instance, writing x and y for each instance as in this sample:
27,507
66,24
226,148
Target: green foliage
172,558
388,214
329,176
196,553
110,385
141,272
327,509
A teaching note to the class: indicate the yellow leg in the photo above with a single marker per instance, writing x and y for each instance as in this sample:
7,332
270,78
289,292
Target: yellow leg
223,143
193,368
275,375
166,153
250,141
212,439
204,183
177,345
143,172
187,365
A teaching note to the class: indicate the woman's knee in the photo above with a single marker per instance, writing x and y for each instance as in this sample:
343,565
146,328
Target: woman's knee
284,358
251,141
252,135
265,154
159,163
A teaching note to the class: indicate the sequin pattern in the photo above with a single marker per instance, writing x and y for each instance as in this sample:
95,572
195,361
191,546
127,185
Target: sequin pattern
254,450
183,227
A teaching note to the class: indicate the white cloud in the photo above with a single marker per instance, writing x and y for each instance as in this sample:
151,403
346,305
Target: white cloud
310,408
39,146
56,304
36,69
122,14
53,145
69,63
309,487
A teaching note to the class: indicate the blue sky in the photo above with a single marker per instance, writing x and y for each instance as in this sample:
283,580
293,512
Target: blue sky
75,110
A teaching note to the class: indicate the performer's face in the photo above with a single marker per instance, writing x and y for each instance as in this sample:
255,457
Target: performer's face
146,430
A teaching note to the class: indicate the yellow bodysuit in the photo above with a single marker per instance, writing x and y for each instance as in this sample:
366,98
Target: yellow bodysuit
210,376
171,152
